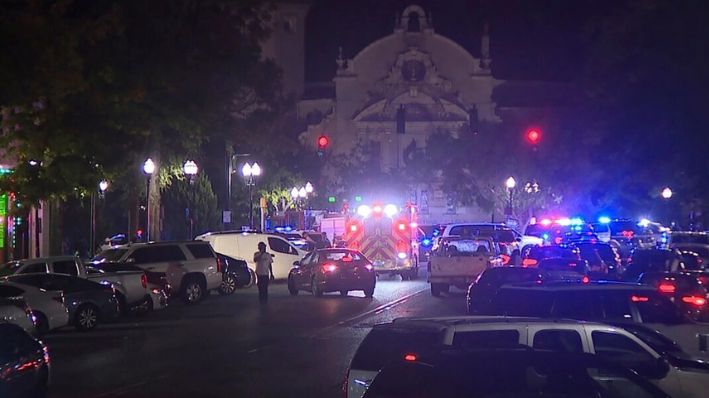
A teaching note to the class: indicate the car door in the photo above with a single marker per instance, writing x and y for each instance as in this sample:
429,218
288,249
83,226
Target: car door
298,271
310,268
32,268
283,256
627,351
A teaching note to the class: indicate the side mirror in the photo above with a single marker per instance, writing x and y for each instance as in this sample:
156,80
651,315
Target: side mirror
296,263
518,239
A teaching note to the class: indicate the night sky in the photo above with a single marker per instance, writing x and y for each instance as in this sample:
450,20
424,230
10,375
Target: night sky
536,40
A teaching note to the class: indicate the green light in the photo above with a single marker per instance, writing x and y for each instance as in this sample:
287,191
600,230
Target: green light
3,217
358,198
331,199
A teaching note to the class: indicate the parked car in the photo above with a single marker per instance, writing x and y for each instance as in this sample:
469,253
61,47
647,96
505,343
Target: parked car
682,288
498,231
154,294
458,261
24,363
88,302
688,238
564,269
244,245
332,270
508,373
236,274
652,260
678,374
602,231
130,285
16,311
694,259
481,291
191,268
47,307
604,301
601,257
532,254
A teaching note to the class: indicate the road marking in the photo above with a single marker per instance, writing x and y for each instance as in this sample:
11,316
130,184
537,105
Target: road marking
381,308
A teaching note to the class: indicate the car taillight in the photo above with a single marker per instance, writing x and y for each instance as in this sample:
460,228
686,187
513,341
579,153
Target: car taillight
219,265
329,268
585,279
694,300
410,357
639,299
144,281
666,287
529,262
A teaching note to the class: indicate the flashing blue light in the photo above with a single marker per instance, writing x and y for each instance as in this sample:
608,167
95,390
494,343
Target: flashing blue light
288,229
545,236
426,242
436,232
644,223
604,220
576,221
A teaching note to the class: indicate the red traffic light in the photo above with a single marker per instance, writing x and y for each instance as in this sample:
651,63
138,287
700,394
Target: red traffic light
323,141
534,136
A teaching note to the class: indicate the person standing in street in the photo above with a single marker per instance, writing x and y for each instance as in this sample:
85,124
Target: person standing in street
264,271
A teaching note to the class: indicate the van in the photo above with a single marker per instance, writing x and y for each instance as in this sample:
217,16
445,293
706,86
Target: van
243,245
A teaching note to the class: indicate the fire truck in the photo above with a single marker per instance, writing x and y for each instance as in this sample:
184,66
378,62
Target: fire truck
386,235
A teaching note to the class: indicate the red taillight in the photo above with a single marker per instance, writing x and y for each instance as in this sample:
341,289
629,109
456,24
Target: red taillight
639,299
585,279
529,262
144,281
666,287
410,357
329,268
346,259
694,300
219,265
558,240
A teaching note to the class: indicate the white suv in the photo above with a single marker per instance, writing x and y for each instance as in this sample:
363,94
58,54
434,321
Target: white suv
410,336
191,268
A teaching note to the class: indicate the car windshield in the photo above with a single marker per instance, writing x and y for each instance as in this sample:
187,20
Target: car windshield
343,256
109,255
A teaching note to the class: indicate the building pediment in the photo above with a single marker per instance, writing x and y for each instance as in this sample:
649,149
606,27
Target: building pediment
419,106
414,68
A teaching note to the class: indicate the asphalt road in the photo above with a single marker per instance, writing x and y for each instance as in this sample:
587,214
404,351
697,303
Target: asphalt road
234,347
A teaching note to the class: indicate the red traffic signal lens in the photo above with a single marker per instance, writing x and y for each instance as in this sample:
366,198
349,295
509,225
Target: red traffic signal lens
323,141
533,135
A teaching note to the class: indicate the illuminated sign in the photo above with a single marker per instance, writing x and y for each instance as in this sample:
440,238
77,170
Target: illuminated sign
3,218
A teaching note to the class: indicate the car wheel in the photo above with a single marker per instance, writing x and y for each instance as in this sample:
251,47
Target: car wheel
42,324
192,291
228,285
145,306
292,289
344,292
86,317
369,292
435,289
315,289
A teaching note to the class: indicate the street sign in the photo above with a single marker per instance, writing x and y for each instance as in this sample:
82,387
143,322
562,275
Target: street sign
226,216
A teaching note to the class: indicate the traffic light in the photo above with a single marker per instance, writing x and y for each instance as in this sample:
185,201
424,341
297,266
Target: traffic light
323,143
533,135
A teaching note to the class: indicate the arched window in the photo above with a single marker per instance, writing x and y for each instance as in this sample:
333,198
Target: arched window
414,24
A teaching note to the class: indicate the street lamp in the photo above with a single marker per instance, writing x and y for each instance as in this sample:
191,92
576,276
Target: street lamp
102,187
302,193
294,193
190,169
250,173
511,183
666,193
149,169
309,188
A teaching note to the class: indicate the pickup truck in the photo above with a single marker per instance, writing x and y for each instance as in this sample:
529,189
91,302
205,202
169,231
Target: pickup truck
458,261
132,288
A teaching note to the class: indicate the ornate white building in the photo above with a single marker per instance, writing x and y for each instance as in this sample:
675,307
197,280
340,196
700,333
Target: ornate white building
413,81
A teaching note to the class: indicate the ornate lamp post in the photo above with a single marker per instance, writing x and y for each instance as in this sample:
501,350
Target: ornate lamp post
510,183
190,169
148,169
251,173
